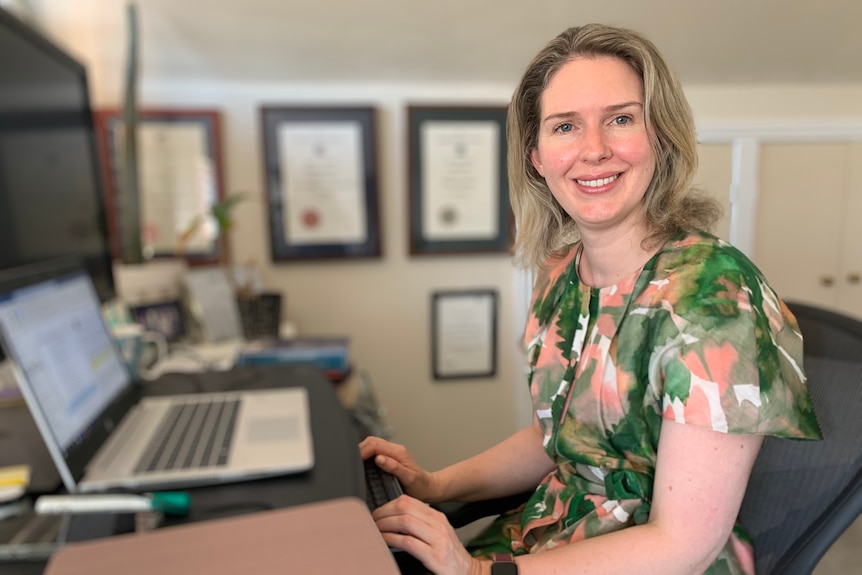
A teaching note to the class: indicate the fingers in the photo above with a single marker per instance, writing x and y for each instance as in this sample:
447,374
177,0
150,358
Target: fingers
389,456
422,529
371,446
387,464
424,532
408,524
397,460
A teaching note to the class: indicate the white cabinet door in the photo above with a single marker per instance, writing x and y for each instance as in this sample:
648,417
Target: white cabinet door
800,219
714,172
850,279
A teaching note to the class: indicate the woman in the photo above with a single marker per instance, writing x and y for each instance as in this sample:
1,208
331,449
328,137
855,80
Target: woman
659,356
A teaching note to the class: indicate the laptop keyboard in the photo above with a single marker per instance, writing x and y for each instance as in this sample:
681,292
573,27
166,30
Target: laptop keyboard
380,486
192,436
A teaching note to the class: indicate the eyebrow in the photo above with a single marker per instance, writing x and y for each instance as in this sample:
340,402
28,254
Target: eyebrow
611,108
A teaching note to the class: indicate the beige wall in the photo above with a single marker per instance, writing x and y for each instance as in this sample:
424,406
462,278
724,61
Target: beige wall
384,305
805,104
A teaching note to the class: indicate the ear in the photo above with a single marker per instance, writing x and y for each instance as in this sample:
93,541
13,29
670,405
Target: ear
534,158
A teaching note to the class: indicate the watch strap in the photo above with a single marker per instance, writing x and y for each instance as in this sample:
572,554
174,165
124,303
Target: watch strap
504,564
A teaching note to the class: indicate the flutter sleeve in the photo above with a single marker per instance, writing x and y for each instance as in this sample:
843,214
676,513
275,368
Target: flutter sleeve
732,354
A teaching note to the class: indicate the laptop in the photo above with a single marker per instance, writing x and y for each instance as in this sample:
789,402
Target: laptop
99,429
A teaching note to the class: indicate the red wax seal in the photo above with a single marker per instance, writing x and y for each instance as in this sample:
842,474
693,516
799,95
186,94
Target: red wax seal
310,218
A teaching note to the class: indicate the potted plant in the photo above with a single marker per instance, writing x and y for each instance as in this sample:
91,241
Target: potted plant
260,312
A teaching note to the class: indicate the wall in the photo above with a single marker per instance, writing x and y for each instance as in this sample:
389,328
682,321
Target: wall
384,305
804,104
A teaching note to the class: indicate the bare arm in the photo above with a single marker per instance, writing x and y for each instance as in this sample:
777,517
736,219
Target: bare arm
701,477
514,465
517,464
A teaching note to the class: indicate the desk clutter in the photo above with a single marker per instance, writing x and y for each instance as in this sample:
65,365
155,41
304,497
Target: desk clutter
23,534
329,354
242,440
80,383
203,303
213,319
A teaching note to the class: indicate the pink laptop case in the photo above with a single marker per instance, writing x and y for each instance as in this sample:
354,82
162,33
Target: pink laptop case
336,536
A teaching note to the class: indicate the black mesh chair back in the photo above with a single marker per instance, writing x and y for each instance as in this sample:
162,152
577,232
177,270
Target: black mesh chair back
828,333
803,495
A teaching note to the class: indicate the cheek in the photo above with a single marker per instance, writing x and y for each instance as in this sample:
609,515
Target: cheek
555,159
636,153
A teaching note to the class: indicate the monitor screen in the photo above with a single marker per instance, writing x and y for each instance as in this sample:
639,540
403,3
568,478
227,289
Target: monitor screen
51,198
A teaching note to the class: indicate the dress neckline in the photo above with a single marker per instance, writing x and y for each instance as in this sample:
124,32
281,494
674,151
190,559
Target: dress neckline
627,281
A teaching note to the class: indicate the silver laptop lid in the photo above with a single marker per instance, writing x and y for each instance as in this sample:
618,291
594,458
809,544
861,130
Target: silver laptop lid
69,370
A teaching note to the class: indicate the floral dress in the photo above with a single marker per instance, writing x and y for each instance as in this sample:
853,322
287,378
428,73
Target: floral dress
697,337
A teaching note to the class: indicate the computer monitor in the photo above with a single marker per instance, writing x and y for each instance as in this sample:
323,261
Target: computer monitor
51,194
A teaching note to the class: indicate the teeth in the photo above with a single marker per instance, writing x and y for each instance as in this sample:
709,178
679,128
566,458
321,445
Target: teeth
597,183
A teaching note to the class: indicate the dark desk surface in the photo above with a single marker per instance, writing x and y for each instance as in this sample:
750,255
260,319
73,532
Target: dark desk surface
337,471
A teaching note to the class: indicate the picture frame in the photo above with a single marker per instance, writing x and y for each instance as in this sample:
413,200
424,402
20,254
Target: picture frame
464,334
165,318
320,166
180,175
458,183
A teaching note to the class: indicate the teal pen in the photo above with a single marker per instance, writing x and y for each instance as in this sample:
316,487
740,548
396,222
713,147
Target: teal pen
168,502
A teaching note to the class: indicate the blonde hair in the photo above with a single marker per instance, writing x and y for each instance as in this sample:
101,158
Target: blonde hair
671,204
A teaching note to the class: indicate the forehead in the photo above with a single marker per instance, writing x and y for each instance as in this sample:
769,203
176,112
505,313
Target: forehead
586,82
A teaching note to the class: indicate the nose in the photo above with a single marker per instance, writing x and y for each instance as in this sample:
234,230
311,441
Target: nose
595,146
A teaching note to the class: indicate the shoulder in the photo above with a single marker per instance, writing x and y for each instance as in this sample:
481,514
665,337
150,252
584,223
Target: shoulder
554,269
551,281
702,254
708,282
701,270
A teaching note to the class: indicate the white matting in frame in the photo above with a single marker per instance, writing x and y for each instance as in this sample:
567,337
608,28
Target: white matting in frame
464,334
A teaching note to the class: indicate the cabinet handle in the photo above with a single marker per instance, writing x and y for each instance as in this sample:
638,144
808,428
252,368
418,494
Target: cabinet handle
854,278
827,281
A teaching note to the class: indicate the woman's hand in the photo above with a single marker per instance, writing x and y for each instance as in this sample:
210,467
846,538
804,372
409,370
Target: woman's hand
395,459
412,526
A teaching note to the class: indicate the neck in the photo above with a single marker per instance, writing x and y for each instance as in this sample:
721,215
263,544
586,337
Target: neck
609,257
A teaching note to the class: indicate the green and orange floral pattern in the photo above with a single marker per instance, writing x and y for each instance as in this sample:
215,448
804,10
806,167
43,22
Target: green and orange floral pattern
697,336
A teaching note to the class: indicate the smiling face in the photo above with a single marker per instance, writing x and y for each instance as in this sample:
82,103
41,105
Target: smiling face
593,148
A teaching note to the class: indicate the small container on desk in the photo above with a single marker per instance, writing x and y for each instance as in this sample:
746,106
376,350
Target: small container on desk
260,315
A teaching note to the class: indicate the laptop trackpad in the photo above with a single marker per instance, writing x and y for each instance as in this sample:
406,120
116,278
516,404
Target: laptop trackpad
269,429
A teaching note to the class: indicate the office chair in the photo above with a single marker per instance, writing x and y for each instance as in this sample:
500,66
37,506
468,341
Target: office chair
828,333
802,495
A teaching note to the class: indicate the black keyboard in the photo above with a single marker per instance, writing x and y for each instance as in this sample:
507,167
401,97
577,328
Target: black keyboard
380,486
192,436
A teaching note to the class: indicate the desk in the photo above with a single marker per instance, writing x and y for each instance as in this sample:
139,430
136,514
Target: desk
337,471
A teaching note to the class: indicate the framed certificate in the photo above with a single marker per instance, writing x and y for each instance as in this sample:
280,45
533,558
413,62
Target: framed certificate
321,182
179,179
464,334
459,193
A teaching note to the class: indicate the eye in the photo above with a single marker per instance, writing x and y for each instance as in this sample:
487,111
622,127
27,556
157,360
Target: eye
622,120
564,127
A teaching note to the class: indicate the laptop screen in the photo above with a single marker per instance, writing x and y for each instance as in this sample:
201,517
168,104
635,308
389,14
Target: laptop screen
54,332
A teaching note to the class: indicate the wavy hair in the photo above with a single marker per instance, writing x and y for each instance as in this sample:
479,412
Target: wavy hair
670,202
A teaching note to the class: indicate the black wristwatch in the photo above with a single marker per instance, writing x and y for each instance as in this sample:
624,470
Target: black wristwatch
504,564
